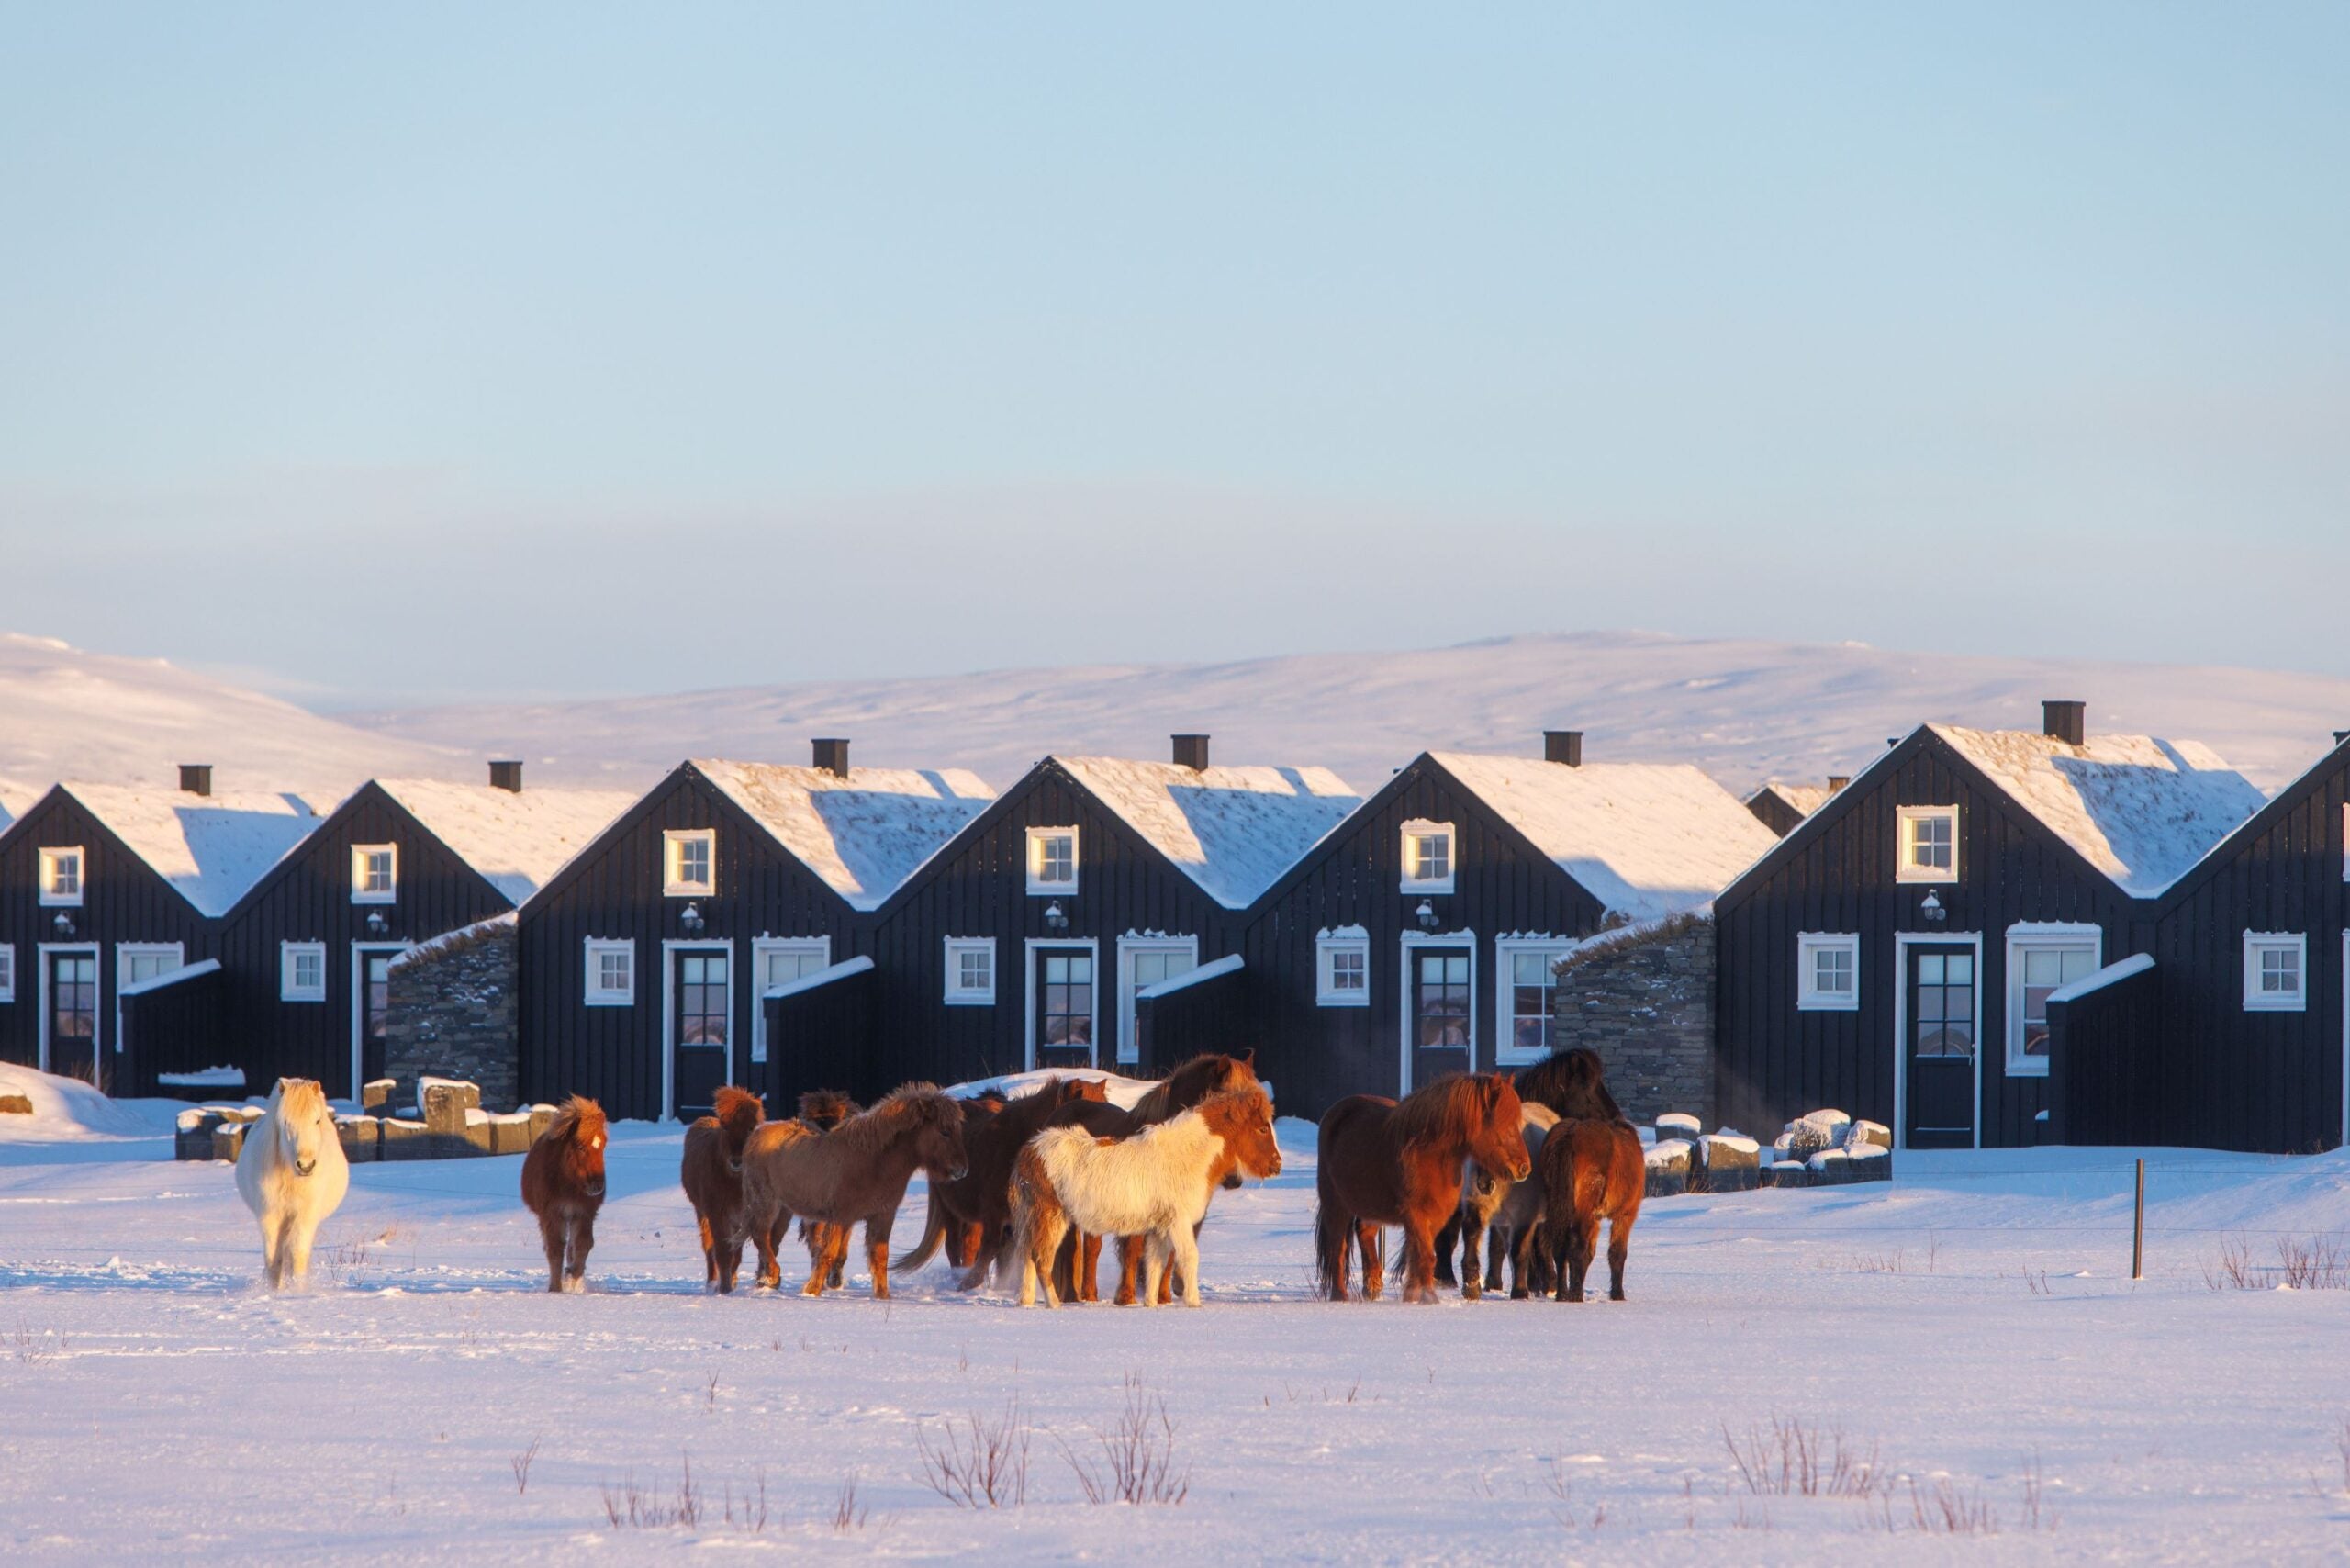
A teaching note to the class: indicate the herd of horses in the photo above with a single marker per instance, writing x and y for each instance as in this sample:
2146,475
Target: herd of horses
1025,1189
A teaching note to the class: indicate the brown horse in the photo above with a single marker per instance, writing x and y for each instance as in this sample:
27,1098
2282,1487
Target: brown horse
1592,1171
823,1108
1572,1083
855,1173
563,1183
712,1173
1211,1072
981,1201
1385,1163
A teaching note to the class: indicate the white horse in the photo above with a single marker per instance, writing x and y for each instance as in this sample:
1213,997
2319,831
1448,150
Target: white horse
1155,1185
292,1174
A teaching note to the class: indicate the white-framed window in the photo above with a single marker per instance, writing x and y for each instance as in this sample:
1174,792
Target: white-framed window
1927,851
1427,856
374,873
61,876
611,972
1342,969
2039,962
970,971
690,862
2276,971
1052,859
302,972
7,971
1828,971
779,961
1525,1025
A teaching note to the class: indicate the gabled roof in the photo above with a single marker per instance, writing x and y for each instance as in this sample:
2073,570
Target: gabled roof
516,839
15,799
862,836
211,848
2283,804
2141,810
1801,798
1645,839
1232,830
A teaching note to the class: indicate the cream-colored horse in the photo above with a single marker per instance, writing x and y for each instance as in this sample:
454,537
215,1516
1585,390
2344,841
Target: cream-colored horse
292,1174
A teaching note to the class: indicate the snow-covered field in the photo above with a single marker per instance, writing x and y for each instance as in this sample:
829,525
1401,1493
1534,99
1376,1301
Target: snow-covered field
1970,1328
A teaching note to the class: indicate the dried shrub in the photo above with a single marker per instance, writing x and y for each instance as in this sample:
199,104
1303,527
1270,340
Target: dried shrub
978,1462
1137,1463
1799,1459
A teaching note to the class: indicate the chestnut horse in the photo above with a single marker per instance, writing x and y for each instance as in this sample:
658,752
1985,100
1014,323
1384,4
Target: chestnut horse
1506,1215
1156,1185
563,1183
1571,1083
1592,1171
856,1173
823,1108
1211,1072
1385,1163
712,1173
981,1199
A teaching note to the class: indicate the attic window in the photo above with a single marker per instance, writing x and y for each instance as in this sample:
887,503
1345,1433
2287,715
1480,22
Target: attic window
1052,859
1428,858
374,873
60,877
2275,969
689,863
1928,848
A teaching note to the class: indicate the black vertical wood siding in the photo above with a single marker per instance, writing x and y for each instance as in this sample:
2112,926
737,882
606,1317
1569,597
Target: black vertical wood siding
2099,1047
821,1037
612,891
1835,873
1502,885
123,899
307,898
180,1027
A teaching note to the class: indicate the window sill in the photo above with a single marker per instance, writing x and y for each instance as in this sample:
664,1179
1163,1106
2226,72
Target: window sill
1926,878
1408,887
375,898
50,900
302,996
2297,1004
972,1000
2029,1067
687,890
1052,890
610,1000
1820,1004
1346,998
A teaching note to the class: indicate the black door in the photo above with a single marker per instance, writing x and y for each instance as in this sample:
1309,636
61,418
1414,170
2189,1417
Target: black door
1940,1047
1440,1013
1065,995
697,992
74,1015
374,992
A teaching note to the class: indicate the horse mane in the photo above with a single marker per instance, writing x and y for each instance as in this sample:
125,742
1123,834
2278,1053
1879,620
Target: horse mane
1572,1083
738,1111
574,1117
869,1132
825,1107
300,1093
1159,1102
1445,1113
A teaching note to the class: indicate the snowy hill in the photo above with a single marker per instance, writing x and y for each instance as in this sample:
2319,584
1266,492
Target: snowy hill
1745,710
67,714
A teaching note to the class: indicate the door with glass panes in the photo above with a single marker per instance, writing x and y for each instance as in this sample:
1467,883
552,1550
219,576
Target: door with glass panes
1061,1012
371,980
1441,1009
700,1028
1943,1041
72,1022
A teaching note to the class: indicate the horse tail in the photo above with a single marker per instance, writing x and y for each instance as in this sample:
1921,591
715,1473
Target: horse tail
934,1231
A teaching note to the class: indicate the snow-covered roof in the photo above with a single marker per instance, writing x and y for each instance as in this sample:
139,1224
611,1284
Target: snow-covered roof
1232,830
517,839
863,834
1645,839
2141,810
1803,798
211,848
15,799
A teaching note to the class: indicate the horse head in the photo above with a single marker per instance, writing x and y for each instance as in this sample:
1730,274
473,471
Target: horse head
938,1139
304,1124
1093,1089
581,1128
1498,1142
739,1113
1244,1119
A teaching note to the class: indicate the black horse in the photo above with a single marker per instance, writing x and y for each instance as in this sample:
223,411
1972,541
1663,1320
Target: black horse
1572,1083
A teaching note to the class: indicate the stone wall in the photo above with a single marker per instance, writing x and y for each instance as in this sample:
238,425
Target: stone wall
450,1013
1644,1000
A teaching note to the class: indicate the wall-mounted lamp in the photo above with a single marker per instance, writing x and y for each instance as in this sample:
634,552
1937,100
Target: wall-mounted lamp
64,923
1426,915
691,920
1932,909
1055,920
376,923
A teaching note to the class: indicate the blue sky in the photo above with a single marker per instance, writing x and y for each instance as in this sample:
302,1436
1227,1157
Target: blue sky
393,354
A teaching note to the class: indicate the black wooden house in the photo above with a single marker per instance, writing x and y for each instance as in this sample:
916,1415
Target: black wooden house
1894,954
105,890
1420,937
1093,890
2232,1030
644,961
1781,806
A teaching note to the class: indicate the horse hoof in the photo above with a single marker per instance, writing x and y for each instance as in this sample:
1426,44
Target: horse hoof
1517,1295
1469,1293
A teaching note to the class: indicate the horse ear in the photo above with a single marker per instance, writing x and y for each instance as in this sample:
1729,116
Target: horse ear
1249,1059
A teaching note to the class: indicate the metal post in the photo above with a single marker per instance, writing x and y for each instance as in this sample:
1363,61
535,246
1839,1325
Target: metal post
2138,1228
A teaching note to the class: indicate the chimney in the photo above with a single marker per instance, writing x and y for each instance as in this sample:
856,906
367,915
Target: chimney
196,777
2066,722
1837,782
2341,735
1562,745
506,775
1191,752
831,754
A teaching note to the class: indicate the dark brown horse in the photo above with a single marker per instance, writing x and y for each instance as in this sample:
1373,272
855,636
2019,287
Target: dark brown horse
855,1173
823,1108
712,1173
980,1201
563,1183
1572,1083
1388,1163
1592,1171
